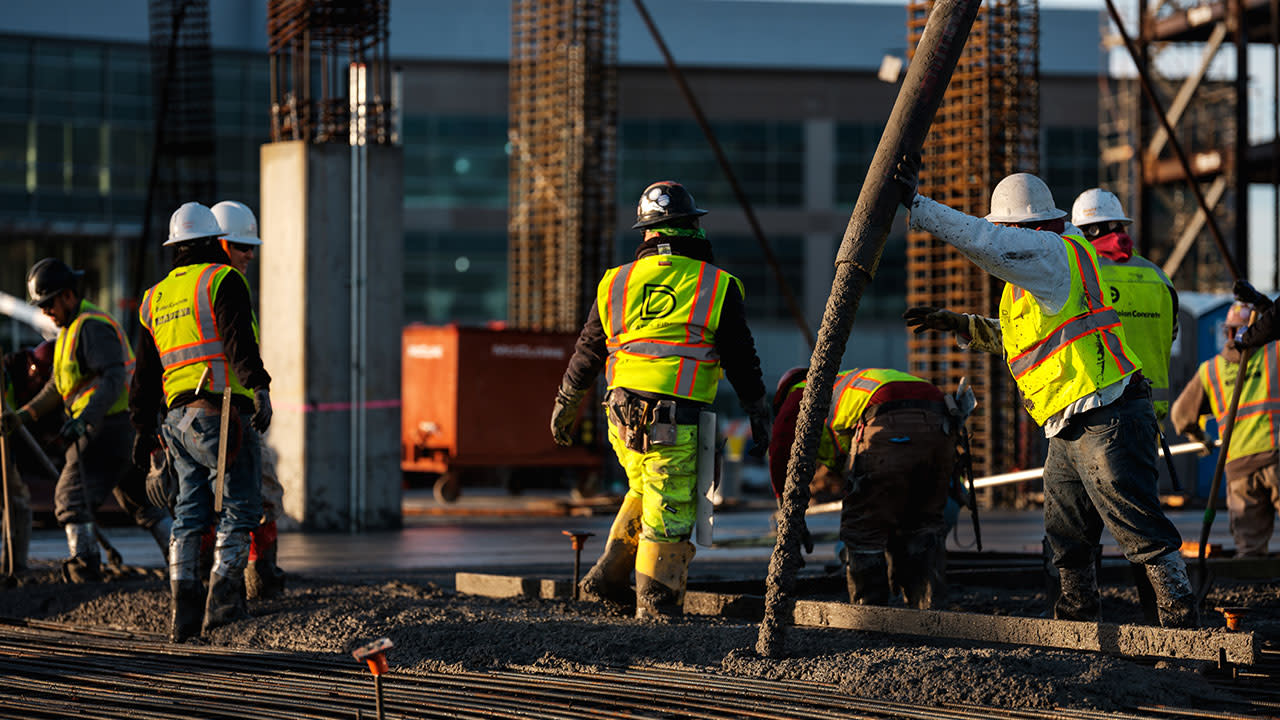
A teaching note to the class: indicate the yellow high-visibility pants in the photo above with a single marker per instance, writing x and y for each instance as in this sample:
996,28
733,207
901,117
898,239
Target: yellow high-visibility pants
665,478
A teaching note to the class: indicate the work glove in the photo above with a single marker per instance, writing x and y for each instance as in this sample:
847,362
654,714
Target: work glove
73,429
760,413
907,175
10,422
261,419
1195,434
923,317
144,443
565,412
162,482
1245,292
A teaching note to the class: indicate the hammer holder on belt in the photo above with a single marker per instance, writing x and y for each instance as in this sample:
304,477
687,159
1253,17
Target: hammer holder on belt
645,422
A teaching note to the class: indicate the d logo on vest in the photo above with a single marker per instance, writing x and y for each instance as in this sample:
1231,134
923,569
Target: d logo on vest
659,301
1115,294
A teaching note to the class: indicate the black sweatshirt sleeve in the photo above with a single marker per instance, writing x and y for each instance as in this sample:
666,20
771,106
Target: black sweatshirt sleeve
233,311
588,354
737,349
146,399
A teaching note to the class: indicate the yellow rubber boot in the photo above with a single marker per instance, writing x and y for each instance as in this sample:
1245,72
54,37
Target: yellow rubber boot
662,571
609,580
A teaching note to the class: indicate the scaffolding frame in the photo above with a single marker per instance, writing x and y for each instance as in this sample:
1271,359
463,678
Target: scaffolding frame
986,128
563,158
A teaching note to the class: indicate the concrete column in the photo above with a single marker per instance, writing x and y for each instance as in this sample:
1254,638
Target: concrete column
819,197
305,317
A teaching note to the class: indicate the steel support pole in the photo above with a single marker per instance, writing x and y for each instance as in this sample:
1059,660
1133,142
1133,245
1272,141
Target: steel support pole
918,99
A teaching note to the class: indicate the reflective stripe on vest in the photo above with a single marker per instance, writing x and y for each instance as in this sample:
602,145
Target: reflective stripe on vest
1257,423
179,313
660,315
75,387
1139,291
849,396
1058,359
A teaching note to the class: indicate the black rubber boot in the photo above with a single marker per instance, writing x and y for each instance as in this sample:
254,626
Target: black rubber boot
868,578
227,602
924,577
186,605
1175,600
263,579
1078,597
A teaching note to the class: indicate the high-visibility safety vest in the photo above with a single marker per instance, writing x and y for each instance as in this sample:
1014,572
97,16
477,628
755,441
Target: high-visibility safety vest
660,315
849,397
1139,291
73,385
178,312
1060,358
1257,425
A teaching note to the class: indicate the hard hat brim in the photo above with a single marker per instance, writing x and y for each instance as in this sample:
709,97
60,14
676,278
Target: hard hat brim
1095,221
1032,217
668,218
186,238
242,239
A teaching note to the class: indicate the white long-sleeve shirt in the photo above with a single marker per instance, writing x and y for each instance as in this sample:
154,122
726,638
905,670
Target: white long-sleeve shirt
1034,260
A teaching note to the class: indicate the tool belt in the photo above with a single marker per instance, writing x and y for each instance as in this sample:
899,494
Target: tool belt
644,422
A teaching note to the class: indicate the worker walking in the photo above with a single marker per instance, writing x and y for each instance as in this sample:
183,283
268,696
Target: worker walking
662,328
1140,292
1253,482
262,576
92,367
889,435
200,339
1080,380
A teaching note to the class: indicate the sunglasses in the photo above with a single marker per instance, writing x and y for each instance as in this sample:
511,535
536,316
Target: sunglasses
242,247
1097,230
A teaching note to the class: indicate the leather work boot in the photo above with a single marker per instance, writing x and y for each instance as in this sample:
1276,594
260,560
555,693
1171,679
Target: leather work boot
1078,597
1175,600
868,577
662,571
263,579
84,565
609,580
186,592
226,602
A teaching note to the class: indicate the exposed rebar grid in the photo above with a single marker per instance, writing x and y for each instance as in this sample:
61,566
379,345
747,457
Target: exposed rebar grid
563,158
988,127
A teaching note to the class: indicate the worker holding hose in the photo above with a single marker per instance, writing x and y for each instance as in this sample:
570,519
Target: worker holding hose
1253,481
662,328
89,390
1080,380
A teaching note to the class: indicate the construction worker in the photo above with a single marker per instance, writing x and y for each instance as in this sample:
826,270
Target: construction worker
1140,292
200,339
662,327
1080,380
889,436
1253,482
263,578
15,522
92,366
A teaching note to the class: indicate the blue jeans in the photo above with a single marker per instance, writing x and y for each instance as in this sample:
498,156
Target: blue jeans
1101,470
193,449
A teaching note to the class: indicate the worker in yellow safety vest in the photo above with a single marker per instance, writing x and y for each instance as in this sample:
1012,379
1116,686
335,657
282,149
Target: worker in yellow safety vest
1253,481
1079,379
89,387
662,328
1139,290
201,339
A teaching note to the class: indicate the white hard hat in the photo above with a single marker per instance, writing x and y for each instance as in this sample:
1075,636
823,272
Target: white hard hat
1022,197
1096,205
190,222
237,222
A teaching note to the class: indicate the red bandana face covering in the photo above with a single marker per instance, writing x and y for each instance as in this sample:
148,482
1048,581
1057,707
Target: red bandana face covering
1117,245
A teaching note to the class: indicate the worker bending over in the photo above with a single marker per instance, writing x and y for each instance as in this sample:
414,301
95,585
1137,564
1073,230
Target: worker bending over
889,436
1253,483
89,387
662,327
1080,380
200,339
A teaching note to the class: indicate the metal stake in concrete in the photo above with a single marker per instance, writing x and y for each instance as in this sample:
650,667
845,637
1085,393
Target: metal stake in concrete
374,654
918,99
578,538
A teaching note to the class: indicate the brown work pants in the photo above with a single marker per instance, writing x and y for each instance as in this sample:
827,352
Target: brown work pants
898,487
1253,499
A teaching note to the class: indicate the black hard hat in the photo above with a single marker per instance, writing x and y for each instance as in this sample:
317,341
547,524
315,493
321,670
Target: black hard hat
49,277
663,201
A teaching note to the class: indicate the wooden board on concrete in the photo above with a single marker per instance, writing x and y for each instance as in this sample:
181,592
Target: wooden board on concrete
1240,648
